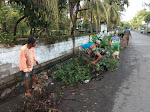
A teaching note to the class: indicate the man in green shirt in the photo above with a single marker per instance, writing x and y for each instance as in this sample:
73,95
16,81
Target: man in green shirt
126,36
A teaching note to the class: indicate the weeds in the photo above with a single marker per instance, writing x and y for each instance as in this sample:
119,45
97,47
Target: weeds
76,71
71,73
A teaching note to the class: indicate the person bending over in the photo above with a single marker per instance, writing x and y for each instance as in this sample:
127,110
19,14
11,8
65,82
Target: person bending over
87,49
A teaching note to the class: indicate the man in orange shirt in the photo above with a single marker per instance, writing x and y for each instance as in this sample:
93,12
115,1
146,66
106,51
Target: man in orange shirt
26,61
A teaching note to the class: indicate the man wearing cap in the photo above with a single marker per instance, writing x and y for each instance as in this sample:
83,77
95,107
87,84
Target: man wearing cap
89,48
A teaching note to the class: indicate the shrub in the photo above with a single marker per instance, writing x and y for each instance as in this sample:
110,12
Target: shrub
94,38
72,72
107,63
105,43
58,33
6,37
119,32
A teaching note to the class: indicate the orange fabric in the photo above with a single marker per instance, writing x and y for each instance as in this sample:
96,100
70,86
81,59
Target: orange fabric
26,59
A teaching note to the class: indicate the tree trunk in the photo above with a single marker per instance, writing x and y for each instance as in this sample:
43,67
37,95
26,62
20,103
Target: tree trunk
73,21
73,29
67,21
34,30
15,27
108,28
4,27
47,32
74,50
31,32
96,27
4,2
91,28
89,38
73,38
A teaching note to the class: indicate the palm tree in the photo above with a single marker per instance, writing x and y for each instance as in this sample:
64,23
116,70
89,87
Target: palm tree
100,13
87,14
114,9
96,11
52,9
1,2
113,14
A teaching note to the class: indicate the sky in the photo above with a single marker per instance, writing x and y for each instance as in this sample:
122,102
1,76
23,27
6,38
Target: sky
134,7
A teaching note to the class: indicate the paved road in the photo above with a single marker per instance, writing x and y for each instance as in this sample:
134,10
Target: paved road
134,93
148,34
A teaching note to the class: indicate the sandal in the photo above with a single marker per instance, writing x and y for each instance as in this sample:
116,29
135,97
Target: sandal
29,94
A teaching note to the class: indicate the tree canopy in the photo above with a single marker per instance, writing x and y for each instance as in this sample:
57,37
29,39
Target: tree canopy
59,14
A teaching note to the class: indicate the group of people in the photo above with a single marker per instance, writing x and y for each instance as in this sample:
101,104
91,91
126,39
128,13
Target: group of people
88,51
115,41
92,48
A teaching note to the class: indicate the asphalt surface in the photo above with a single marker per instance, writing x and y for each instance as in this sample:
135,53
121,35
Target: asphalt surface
148,34
134,93
124,90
